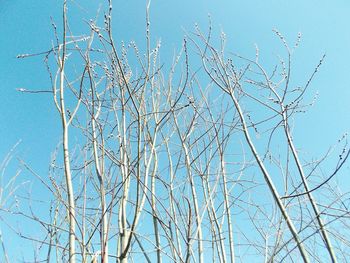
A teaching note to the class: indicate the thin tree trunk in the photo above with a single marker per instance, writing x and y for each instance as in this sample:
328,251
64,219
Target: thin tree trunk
269,181
66,158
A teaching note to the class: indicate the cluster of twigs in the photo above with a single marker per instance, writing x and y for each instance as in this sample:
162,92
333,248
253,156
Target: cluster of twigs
185,166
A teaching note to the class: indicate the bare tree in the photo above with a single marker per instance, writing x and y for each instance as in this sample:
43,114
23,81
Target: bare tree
191,163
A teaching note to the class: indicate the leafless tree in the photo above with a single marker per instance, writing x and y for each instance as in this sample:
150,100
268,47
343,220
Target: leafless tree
191,163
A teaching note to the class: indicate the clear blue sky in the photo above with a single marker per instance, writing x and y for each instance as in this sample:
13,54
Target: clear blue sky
25,28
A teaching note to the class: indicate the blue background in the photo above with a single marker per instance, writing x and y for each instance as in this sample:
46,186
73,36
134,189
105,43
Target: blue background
25,27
